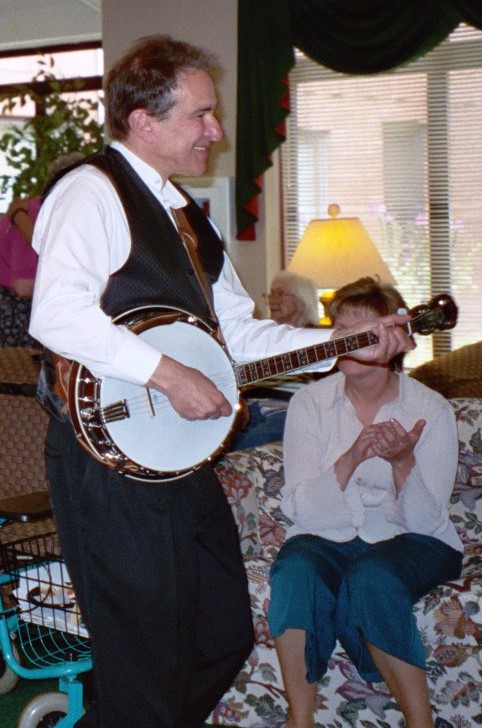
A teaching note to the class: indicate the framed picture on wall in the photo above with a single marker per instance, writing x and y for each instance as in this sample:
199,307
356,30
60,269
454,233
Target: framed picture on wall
214,196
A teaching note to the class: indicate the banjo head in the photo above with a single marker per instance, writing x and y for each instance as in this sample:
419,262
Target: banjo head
134,429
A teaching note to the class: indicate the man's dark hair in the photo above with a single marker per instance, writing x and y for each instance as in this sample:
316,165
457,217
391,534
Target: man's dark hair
146,77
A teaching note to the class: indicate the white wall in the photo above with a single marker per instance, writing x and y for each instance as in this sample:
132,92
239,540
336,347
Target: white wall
36,23
211,24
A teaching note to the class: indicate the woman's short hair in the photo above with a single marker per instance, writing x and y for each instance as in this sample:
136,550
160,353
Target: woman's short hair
370,296
146,77
304,289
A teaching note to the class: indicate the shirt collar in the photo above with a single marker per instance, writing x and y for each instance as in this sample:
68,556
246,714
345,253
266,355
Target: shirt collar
338,390
166,192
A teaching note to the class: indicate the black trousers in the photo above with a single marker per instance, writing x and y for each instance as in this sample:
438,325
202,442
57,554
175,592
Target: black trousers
158,573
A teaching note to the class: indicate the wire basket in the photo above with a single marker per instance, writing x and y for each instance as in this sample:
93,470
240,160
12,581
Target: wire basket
50,627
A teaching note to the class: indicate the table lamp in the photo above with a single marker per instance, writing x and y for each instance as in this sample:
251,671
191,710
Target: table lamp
336,251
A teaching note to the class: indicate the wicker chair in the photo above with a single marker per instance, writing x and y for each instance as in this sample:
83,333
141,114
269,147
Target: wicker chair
23,425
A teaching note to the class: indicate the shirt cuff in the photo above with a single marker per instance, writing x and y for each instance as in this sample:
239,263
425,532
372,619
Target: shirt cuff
135,360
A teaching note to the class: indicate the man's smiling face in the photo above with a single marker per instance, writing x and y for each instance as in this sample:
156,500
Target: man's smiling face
181,142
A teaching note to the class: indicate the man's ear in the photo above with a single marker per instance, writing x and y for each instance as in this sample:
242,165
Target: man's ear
140,122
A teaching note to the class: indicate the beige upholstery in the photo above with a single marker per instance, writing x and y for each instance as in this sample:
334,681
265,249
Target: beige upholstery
18,365
23,425
456,374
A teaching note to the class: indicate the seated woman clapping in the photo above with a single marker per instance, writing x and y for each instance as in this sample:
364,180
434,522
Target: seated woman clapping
370,463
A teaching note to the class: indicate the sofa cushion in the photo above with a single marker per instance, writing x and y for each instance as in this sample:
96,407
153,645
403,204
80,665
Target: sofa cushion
469,423
235,473
466,504
258,571
466,500
269,479
455,374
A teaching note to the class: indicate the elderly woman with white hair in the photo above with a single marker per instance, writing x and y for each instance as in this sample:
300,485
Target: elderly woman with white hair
293,299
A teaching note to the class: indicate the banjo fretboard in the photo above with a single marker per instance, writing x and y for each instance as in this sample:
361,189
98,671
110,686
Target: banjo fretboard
256,371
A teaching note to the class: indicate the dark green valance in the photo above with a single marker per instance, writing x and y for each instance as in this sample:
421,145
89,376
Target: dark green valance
368,36
351,36
265,55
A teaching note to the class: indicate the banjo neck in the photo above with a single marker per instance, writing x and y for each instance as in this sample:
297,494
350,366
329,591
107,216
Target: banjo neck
257,371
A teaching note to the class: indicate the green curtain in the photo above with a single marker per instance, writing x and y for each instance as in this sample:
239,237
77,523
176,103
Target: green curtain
265,55
367,36
470,11
351,36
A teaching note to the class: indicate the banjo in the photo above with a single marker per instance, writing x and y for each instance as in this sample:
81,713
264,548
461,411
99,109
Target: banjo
134,430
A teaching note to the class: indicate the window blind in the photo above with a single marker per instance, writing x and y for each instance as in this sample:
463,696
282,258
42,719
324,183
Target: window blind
402,151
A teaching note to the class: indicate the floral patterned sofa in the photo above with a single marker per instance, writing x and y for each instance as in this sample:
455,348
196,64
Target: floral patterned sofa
449,618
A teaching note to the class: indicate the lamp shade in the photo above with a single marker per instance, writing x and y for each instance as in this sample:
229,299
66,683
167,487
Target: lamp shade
337,251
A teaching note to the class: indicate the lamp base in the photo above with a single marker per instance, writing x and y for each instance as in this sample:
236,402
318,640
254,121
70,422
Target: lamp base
325,298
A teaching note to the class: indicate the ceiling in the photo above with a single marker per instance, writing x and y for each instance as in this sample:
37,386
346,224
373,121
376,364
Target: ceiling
34,23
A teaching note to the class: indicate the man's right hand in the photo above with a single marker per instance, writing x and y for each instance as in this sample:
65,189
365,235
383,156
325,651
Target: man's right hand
190,393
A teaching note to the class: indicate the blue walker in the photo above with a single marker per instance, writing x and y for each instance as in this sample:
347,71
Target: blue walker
41,632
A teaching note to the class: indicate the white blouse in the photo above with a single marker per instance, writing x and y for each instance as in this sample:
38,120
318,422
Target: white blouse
322,424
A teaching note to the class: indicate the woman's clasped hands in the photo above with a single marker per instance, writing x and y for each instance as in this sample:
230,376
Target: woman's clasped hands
391,442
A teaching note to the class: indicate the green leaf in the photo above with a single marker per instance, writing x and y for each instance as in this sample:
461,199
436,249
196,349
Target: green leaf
66,123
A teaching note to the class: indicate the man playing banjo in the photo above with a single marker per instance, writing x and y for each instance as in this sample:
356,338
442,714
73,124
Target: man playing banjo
156,566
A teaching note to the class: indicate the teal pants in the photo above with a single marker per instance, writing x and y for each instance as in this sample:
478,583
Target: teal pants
357,592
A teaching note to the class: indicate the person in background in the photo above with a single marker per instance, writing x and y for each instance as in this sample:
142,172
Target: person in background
370,463
293,299
18,262
157,568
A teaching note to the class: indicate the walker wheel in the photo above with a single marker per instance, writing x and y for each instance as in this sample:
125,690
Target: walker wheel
8,678
44,711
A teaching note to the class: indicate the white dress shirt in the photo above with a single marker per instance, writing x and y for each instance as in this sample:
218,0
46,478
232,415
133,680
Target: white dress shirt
82,237
322,424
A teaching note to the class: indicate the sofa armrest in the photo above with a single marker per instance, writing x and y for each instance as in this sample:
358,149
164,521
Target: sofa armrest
252,480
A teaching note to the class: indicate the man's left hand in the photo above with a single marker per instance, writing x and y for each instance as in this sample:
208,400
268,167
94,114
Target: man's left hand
392,339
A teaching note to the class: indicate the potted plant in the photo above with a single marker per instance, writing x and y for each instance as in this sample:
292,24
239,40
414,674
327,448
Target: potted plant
64,123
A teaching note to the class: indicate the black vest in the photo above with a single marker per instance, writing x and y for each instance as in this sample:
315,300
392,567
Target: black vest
158,269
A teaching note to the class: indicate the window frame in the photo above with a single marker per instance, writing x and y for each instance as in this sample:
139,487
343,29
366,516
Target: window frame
449,56
42,88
